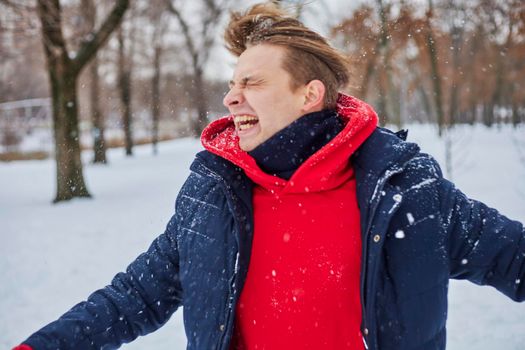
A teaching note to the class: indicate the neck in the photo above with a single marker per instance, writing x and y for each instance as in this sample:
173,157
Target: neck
284,152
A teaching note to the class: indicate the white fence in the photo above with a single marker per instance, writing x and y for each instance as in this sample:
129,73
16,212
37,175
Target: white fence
25,124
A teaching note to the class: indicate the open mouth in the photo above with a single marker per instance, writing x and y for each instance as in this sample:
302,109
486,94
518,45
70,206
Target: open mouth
245,122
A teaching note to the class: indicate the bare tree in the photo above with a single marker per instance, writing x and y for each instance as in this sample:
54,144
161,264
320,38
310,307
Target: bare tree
519,145
64,69
199,43
20,60
374,36
156,14
155,98
433,55
384,78
98,127
456,14
359,31
89,11
124,86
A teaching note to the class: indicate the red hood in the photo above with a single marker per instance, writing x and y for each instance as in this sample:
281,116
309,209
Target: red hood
326,169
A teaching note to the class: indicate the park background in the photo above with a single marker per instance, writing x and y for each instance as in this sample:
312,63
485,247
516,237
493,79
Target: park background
139,81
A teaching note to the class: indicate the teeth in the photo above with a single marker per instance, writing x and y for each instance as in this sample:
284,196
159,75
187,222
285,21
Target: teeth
245,126
244,118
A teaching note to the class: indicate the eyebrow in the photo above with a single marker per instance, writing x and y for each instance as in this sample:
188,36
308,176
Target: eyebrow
243,81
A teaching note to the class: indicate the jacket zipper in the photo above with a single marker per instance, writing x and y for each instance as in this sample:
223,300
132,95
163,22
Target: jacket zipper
229,305
378,191
231,296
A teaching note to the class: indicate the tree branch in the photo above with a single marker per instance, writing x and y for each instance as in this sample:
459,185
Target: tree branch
53,39
90,47
185,31
17,6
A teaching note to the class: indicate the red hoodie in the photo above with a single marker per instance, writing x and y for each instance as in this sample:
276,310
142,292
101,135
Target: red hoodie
302,288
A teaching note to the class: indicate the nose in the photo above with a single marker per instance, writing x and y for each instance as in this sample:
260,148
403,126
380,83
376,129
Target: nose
232,98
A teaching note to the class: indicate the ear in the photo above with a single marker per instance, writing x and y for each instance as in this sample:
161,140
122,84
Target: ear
314,93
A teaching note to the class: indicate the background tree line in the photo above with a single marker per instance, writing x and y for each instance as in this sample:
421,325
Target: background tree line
139,66
444,61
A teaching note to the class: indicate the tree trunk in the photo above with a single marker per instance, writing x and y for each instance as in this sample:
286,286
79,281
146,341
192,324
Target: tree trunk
381,102
369,71
70,178
125,89
89,11
448,152
497,94
199,56
391,96
436,81
425,100
63,75
515,115
501,91
384,72
201,102
457,39
155,99
124,82
472,114
99,144
488,114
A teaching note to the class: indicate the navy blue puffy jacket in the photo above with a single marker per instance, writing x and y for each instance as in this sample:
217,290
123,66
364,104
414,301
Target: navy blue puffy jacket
418,231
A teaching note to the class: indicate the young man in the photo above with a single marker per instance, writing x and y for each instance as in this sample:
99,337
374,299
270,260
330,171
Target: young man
303,225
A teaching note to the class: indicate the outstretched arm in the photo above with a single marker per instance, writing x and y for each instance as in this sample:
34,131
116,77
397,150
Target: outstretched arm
485,247
136,302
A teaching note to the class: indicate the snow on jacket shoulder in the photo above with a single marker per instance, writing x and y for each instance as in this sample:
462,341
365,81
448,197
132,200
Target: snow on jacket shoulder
418,231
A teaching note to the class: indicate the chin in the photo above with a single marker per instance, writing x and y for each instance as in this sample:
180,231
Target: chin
247,146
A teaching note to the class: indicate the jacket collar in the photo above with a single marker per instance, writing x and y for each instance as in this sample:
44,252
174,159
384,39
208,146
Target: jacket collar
383,150
383,155
284,152
326,169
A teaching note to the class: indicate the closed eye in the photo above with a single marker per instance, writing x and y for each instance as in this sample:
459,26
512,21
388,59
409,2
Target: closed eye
254,82
246,82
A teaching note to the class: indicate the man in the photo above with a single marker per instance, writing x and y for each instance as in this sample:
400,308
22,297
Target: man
303,225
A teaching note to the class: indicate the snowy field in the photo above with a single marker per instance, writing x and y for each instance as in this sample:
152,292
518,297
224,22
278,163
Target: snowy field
52,256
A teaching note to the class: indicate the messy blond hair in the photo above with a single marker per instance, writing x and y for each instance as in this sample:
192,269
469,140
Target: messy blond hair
309,56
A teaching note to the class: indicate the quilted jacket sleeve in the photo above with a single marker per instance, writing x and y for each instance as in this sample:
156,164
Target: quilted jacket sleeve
136,302
485,247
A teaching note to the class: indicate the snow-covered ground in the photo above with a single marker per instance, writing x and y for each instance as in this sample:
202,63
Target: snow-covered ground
52,256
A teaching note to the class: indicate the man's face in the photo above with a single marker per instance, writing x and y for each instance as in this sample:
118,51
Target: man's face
260,96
